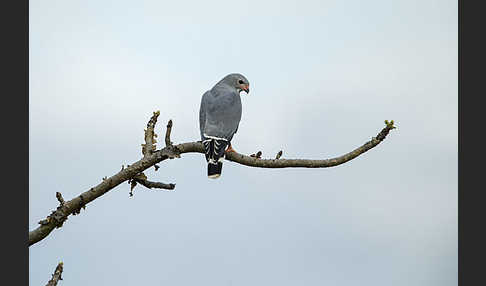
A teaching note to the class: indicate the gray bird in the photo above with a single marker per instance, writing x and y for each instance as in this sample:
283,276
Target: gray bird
219,117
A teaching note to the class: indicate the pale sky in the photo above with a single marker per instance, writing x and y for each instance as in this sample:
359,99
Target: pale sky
324,75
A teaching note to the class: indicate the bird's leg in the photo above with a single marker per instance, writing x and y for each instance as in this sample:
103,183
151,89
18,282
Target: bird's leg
230,149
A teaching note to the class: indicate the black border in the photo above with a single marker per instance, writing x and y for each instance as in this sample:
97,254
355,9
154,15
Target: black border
471,206
15,134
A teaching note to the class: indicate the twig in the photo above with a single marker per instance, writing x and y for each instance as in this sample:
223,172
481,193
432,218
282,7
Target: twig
60,198
149,146
174,151
167,133
141,179
156,185
56,276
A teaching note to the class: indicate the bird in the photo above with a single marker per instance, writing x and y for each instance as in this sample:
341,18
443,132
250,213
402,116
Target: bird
219,118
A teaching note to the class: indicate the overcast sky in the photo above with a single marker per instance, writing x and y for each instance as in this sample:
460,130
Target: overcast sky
324,75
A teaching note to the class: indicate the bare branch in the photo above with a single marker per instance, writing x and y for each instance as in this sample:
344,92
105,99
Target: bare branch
174,151
56,276
167,133
293,163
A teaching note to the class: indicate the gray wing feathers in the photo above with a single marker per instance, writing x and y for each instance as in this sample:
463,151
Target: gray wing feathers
220,113
202,113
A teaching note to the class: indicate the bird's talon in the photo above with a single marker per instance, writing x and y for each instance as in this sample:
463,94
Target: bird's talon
230,149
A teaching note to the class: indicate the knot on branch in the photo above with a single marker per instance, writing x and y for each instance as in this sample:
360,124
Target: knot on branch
133,181
81,205
258,155
170,152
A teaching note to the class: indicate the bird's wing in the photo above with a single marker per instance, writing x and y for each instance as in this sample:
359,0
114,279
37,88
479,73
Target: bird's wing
223,113
202,112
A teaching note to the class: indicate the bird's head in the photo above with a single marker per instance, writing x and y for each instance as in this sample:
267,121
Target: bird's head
237,81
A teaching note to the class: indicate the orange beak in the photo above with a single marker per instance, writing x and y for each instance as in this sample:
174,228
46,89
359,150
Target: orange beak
246,88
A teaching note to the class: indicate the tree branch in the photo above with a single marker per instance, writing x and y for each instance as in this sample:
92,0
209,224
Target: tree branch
74,206
308,163
56,276
256,161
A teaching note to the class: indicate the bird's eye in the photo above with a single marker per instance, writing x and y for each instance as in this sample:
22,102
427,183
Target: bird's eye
240,82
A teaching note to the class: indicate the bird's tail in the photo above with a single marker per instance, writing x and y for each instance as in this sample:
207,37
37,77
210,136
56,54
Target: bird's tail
214,151
214,170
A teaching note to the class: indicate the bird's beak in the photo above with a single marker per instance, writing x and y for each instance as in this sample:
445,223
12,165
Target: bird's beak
246,88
